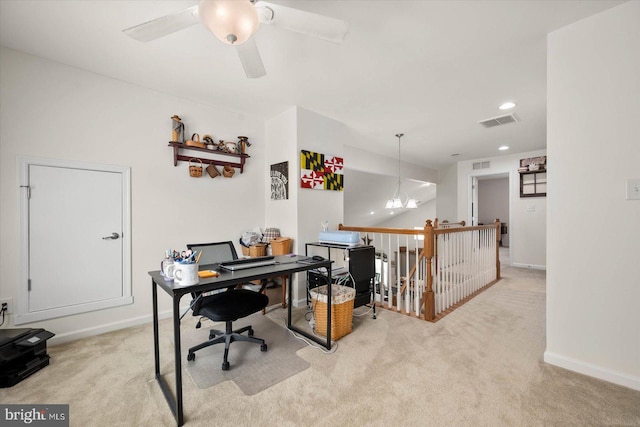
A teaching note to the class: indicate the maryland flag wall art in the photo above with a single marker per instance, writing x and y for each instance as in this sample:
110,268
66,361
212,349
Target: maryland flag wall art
321,171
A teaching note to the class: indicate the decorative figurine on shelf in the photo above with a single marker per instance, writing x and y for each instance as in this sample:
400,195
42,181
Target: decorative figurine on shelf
243,143
177,129
231,147
208,139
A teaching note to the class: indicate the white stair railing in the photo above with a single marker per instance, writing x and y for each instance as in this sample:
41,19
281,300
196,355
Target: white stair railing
425,272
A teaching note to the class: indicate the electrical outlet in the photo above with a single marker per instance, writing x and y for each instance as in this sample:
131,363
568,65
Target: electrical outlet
633,189
9,303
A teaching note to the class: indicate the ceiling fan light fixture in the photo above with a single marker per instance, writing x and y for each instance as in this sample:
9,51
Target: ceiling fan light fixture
232,22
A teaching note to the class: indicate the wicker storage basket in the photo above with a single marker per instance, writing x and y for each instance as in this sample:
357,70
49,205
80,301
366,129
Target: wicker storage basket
341,310
280,246
212,170
195,170
245,250
228,171
258,250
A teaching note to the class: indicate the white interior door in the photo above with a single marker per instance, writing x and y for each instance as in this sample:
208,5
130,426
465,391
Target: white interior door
76,241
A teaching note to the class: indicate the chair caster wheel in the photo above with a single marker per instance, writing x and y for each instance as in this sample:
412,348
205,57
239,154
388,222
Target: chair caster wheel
191,356
263,347
250,332
225,366
375,317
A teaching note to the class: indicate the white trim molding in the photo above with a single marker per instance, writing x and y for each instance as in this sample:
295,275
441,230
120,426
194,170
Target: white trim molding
592,370
22,314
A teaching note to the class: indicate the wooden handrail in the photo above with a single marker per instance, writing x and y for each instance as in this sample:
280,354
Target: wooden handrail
428,252
381,230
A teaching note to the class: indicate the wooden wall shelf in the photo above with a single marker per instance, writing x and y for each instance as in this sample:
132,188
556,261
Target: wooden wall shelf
177,146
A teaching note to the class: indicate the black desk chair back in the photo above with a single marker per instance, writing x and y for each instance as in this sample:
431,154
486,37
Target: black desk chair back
227,306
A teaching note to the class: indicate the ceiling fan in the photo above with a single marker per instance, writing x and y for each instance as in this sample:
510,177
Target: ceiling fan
234,22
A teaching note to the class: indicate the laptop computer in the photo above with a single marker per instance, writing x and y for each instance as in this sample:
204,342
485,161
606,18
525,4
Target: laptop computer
240,264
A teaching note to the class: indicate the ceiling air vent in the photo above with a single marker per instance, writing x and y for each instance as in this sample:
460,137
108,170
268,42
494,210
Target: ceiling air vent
481,165
499,121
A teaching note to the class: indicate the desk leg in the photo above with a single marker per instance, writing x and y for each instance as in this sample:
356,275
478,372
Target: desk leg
284,291
178,359
290,301
329,300
326,344
156,340
174,404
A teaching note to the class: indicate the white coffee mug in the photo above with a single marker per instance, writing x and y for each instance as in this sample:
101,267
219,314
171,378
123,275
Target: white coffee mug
167,268
185,274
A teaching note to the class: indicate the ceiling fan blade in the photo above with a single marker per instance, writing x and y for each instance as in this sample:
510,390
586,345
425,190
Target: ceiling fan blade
164,25
250,59
300,21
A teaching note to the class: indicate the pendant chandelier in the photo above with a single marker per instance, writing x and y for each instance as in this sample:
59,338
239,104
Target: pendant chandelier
395,202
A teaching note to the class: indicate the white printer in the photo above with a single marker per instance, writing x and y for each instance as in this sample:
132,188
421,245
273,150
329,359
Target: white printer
339,237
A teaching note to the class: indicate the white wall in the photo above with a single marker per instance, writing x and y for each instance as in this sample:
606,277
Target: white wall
319,134
593,280
281,136
300,217
412,217
447,199
55,111
365,161
527,216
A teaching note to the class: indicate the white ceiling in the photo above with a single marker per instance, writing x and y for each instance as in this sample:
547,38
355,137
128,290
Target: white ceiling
430,69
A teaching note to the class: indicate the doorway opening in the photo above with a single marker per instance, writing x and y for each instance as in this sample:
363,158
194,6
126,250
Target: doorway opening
491,201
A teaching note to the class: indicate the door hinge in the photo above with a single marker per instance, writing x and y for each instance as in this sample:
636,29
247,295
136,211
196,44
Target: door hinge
28,190
28,284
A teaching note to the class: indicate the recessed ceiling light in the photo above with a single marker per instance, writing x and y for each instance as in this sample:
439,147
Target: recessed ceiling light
507,105
371,213
391,213
504,147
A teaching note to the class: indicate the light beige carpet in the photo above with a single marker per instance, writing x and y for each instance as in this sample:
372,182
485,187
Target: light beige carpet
479,366
251,369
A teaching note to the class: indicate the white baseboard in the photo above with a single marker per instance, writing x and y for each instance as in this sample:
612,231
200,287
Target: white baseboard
533,267
592,370
109,327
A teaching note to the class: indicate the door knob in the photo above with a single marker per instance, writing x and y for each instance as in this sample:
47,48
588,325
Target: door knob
113,236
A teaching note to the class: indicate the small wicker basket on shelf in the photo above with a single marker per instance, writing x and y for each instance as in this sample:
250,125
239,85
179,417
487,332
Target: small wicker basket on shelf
341,310
195,170
228,171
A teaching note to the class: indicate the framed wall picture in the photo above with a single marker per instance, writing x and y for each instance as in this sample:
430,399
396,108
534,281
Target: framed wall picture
321,171
280,181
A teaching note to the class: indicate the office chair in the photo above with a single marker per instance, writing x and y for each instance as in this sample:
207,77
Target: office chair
227,306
